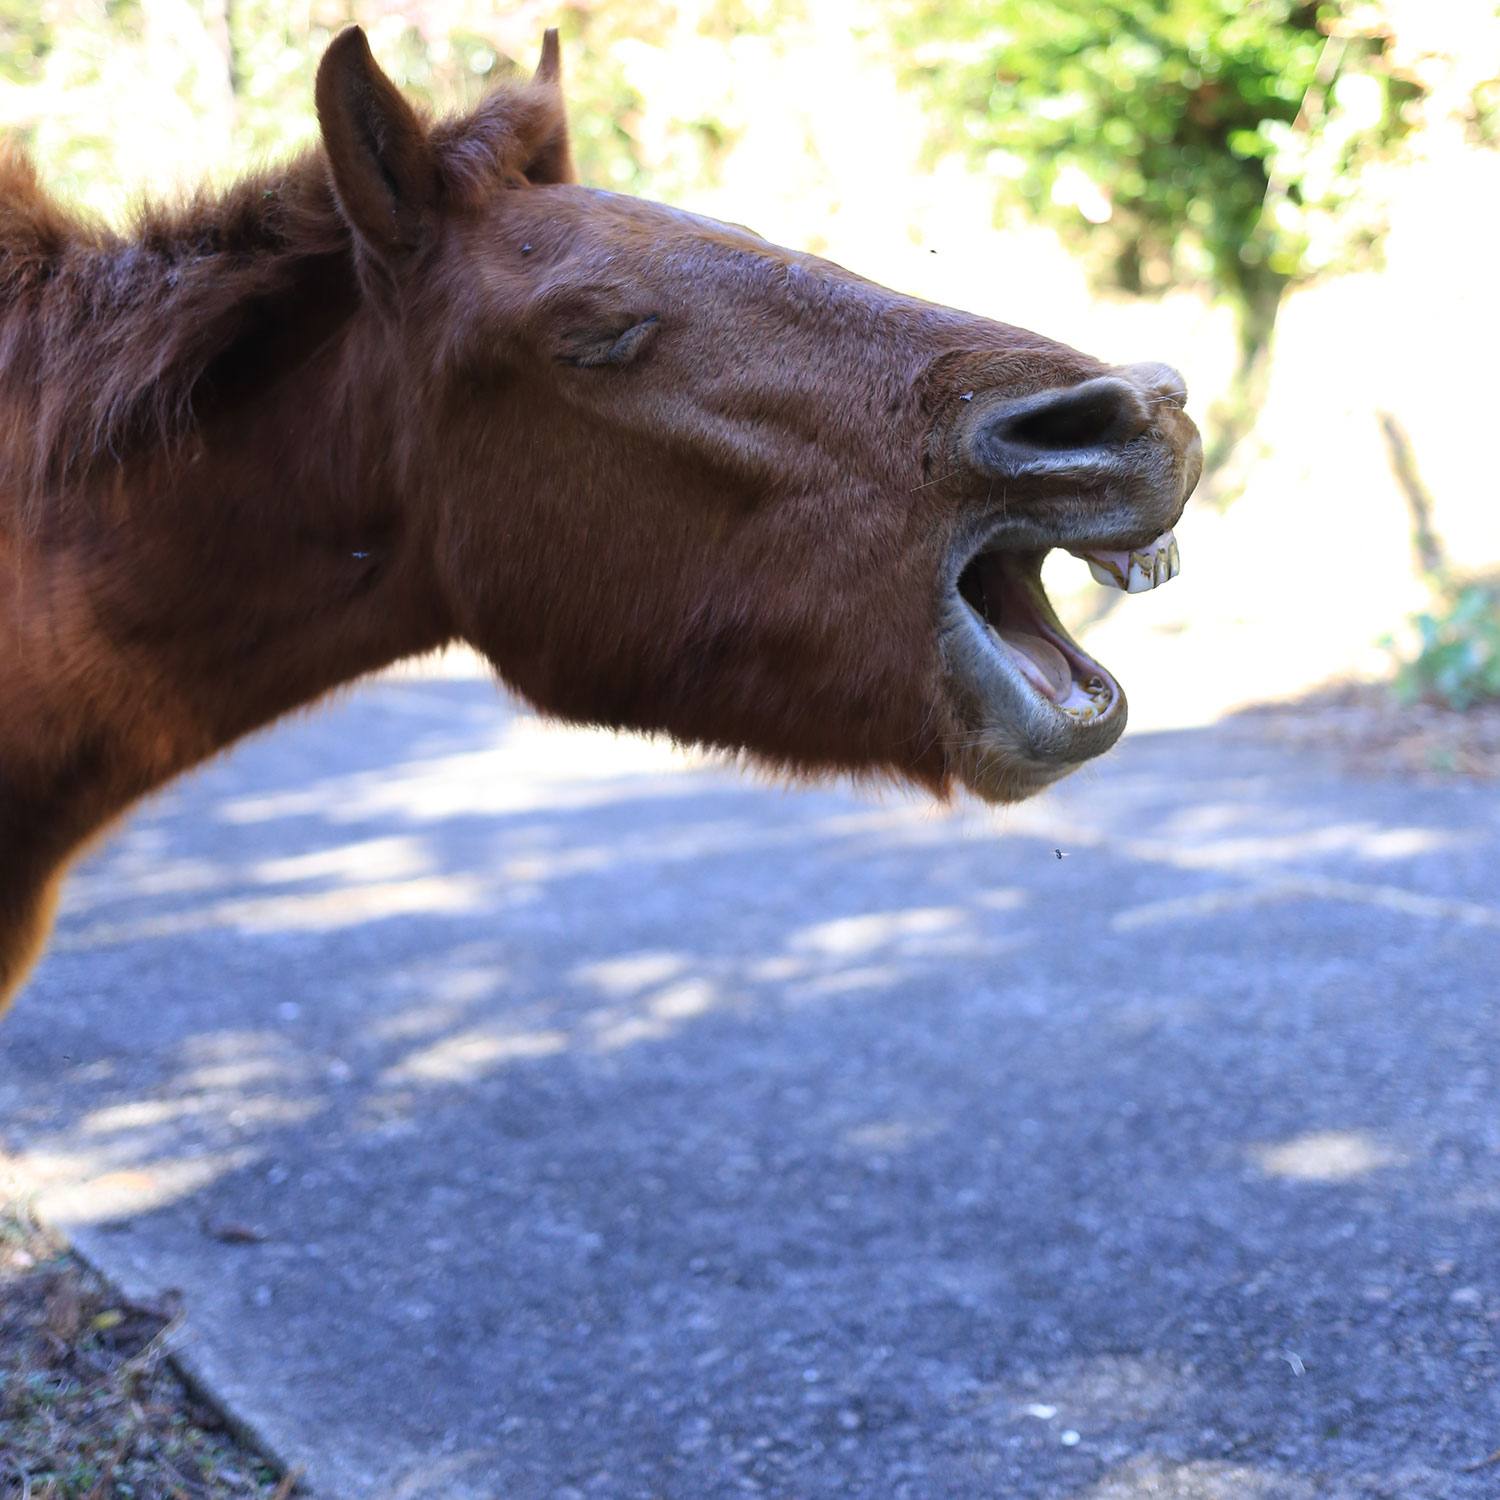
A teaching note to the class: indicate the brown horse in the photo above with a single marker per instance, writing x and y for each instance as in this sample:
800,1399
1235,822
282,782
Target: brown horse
418,387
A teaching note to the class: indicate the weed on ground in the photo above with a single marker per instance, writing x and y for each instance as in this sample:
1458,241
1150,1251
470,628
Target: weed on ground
90,1405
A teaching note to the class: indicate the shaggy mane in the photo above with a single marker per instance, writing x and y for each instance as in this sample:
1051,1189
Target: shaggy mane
111,342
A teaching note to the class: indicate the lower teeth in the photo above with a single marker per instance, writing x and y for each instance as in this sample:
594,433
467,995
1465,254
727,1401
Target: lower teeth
1099,695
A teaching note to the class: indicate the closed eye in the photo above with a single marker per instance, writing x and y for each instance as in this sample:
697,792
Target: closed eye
595,351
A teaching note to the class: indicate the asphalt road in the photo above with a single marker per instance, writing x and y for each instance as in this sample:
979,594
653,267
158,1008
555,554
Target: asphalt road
524,1115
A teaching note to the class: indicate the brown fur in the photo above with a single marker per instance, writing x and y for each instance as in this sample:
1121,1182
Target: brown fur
415,387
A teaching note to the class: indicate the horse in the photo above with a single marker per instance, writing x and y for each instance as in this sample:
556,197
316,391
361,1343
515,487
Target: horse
418,386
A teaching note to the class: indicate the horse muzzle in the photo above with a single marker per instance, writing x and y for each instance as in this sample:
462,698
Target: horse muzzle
1103,469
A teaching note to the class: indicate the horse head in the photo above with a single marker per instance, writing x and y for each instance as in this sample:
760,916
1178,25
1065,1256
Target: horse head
685,480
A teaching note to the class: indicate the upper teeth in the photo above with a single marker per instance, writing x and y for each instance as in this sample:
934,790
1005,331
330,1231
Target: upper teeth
1138,570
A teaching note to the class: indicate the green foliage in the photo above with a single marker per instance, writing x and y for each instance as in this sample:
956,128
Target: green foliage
1483,114
276,45
1215,142
23,40
1457,661
105,90
604,109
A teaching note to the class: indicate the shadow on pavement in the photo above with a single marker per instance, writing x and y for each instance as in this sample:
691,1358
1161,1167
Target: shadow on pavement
522,1113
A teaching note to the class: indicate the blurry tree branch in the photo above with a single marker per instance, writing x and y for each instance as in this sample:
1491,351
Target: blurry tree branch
1176,142
1426,544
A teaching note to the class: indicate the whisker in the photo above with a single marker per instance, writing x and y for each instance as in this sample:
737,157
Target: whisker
928,483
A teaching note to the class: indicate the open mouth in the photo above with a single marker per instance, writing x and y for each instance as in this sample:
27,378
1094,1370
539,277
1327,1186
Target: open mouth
1004,589
1034,702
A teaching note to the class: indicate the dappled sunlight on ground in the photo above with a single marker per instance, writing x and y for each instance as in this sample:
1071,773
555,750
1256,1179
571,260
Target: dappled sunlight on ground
1300,888
316,911
528,763
1325,1156
74,1191
1151,1105
516,849
1203,1480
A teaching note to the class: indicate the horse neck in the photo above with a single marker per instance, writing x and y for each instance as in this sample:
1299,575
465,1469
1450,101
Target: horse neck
306,507
193,595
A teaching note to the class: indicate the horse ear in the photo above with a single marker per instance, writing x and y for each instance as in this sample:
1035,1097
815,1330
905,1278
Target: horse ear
551,158
384,170
549,67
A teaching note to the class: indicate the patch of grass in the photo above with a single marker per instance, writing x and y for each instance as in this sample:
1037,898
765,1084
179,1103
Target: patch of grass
90,1406
1457,660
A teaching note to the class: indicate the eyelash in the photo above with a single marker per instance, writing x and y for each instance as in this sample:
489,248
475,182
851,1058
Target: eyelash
619,352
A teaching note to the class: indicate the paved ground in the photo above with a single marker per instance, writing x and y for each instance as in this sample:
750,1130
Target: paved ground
521,1117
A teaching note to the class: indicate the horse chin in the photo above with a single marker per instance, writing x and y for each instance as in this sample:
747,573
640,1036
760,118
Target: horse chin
1031,703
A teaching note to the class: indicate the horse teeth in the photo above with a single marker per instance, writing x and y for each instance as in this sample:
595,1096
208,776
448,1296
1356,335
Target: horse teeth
1136,571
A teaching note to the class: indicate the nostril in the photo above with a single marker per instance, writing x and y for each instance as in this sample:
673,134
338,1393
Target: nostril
1037,430
1086,417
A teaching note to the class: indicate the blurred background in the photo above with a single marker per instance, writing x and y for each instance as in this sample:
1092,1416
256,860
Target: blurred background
1298,204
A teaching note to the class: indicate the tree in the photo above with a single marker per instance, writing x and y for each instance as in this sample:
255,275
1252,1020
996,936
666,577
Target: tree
1210,142
105,93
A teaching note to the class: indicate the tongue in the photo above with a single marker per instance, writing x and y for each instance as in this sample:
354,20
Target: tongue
1046,668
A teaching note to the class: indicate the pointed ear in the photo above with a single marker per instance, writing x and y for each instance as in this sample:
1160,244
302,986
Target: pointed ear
384,170
551,158
549,66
